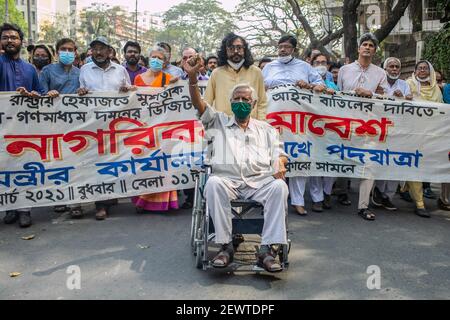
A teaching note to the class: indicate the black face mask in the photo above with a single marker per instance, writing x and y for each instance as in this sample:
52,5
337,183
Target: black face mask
40,62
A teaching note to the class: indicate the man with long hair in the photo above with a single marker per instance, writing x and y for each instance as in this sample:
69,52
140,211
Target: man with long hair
235,66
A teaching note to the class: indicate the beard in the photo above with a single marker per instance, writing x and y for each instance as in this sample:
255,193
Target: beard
11,50
236,58
132,61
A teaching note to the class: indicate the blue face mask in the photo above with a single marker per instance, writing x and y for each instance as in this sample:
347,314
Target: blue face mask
88,59
66,58
156,64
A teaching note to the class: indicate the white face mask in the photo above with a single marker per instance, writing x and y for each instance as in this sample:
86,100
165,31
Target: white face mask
427,79
236,66
322,70
285,59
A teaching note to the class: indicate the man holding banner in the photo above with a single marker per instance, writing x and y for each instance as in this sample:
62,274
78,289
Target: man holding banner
289,70
365,79
103,75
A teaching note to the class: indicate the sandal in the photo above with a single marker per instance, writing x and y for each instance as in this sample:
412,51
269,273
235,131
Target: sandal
223,258
366,214
76,213
268,262
60,209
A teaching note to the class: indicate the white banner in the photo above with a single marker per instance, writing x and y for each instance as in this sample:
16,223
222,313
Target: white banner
346,136
72,149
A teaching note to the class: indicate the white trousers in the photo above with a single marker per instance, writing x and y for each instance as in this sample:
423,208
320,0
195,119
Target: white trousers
273,196
317,187
365,187
387,188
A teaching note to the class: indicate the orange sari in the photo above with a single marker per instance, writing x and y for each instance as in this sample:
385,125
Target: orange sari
162,201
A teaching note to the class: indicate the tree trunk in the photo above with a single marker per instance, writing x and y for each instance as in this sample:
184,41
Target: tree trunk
350,19
392,19
416,15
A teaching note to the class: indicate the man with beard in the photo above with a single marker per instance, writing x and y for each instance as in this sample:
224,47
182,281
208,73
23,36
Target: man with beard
103,75
132,51
16,75
235,66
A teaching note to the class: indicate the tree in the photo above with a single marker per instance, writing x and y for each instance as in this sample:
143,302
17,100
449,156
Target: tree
197,23
51,32
15,16
437,50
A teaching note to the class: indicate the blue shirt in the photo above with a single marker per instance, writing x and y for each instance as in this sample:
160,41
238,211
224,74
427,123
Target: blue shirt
174,71
447,93
54,77
331,85
277,73
18,73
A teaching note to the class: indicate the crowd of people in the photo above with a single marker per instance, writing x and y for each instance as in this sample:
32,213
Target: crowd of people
64,70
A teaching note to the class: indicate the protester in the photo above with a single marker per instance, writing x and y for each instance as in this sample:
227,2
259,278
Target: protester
263,62
446,94
187,54
289,70
132,51
384,190
235,66
211,64
16,75
424,87
42,57
364,78
320,63
248,175
174,71
334,70
103,75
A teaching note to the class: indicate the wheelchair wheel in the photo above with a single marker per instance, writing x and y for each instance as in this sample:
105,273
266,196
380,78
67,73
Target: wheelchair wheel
199,255
284,253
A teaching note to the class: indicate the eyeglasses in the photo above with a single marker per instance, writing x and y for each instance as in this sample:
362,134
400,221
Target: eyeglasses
234,48
320,63
423,69
12,38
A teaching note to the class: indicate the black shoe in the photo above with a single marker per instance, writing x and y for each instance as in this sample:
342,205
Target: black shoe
11,217
344,200
442,205
422,213
428,193
327,201
317,207
387,204
377,197
25,219
405,196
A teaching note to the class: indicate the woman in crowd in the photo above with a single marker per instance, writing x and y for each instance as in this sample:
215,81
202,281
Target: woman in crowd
154,77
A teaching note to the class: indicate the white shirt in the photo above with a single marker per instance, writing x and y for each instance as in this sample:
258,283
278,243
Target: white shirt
352,76
399,84
277,73
94,78
249,157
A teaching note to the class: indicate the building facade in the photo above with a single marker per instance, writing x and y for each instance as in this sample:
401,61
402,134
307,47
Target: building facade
22,6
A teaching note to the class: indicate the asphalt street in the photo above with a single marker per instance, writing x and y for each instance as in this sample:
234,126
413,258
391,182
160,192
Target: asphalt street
131,256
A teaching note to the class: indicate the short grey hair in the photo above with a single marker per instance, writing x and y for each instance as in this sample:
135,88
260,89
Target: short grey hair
162,50
386,62
246,86
368,37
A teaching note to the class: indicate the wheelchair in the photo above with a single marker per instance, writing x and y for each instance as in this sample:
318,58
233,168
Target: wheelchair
202,228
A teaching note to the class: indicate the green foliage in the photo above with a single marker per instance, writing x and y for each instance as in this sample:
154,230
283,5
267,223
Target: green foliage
15,16
437,50
197,23
50,32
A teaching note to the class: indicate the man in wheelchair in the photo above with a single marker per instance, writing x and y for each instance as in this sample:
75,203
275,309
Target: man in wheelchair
248,162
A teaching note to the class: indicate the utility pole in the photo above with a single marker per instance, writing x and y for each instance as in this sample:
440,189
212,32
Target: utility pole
6,11
30,37
135,35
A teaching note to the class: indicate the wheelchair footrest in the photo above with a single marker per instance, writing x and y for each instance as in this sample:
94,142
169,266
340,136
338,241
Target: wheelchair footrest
244,226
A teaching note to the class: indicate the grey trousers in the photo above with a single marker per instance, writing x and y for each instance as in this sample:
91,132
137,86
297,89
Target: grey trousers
273,196
387,188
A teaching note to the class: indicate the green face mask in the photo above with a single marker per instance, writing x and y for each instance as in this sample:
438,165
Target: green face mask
241,109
